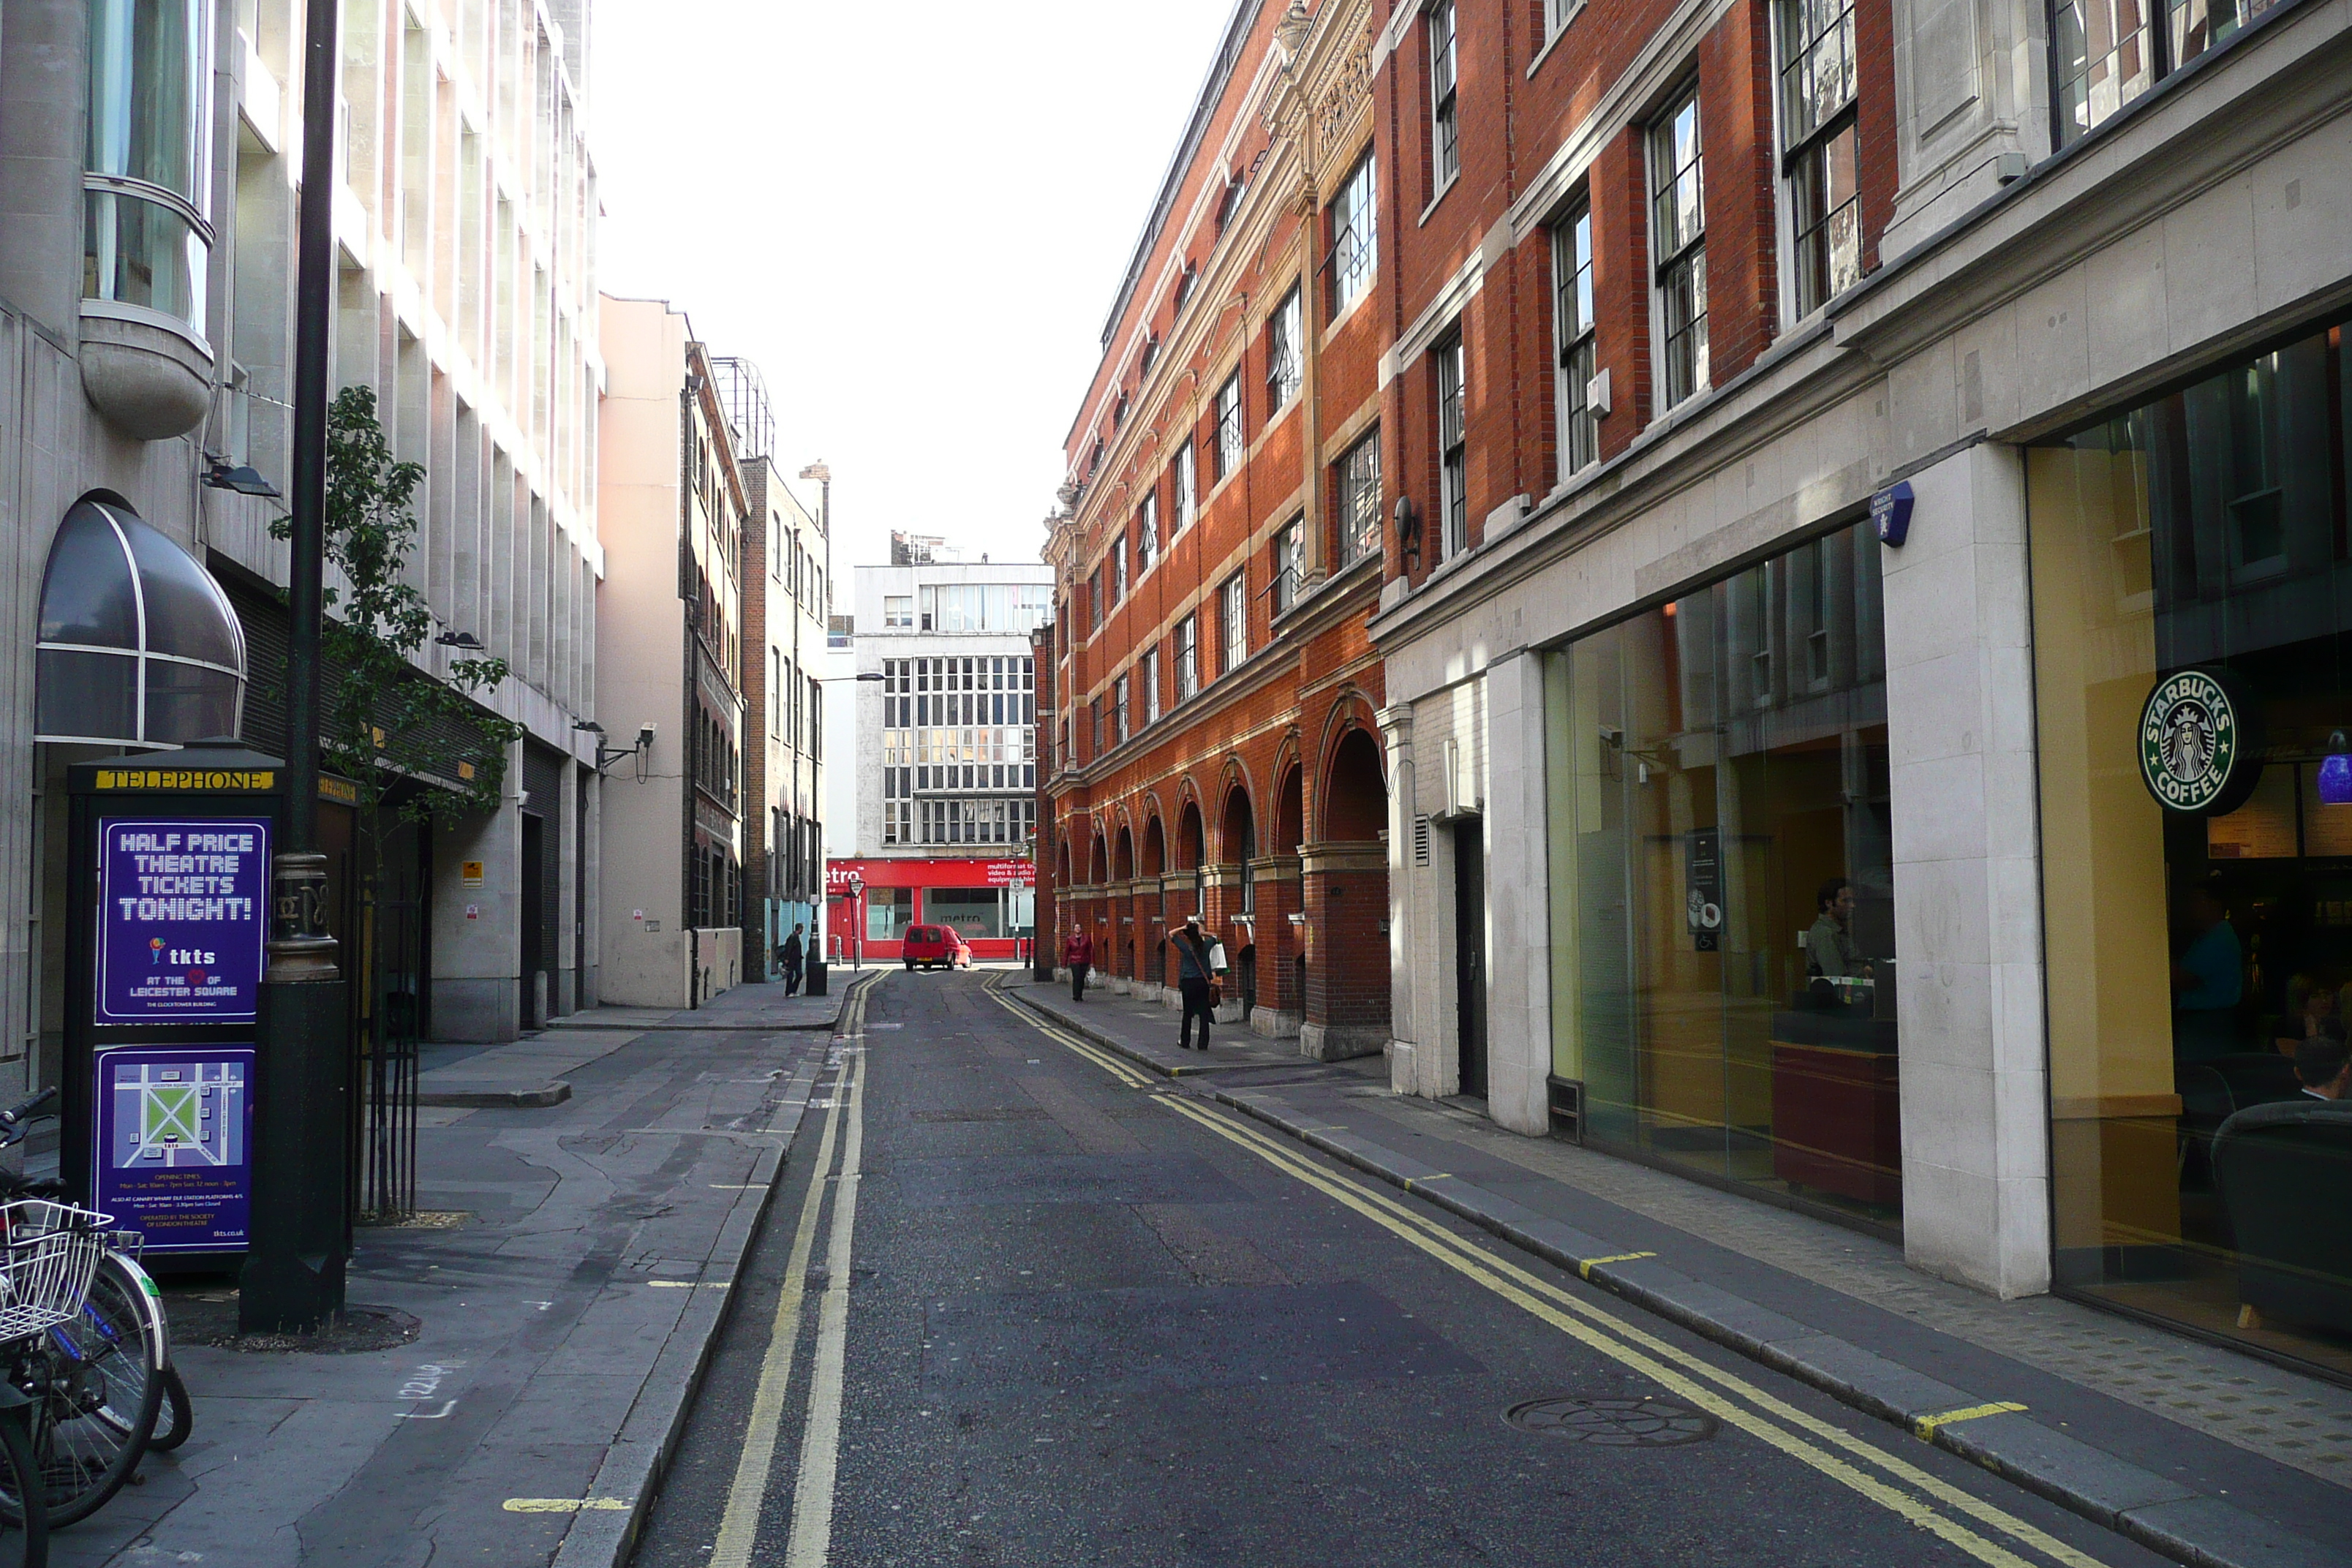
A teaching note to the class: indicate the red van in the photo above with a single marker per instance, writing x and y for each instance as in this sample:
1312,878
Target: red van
935,947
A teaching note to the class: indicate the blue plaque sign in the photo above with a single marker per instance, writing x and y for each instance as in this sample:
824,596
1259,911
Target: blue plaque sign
182,916
173,1143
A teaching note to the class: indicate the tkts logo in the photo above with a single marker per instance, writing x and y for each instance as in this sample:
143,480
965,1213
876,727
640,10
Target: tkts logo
2193,742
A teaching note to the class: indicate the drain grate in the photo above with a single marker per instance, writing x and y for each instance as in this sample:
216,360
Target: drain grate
1614,1423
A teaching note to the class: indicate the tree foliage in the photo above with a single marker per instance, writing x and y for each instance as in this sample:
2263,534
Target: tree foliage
385,718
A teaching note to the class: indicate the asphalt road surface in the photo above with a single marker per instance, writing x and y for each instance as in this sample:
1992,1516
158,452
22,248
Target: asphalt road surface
1046,1310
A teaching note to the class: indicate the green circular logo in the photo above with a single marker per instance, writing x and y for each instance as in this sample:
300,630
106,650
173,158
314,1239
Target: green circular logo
2190,739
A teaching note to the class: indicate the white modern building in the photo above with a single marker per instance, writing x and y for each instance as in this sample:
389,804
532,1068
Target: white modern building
149,164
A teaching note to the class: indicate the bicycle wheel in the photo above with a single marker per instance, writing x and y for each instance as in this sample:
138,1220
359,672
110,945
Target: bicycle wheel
178,1418
101,1393
24,1518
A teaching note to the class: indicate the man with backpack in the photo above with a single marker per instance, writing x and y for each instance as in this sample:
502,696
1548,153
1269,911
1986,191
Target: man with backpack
1199,976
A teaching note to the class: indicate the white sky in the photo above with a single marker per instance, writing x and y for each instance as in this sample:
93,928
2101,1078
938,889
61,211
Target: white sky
911,216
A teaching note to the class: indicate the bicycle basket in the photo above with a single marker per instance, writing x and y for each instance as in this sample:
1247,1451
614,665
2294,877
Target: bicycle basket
52,1249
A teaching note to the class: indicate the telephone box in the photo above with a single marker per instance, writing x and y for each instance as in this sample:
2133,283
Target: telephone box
167,934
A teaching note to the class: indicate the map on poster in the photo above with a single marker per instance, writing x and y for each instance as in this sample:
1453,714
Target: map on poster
174,1144
183,915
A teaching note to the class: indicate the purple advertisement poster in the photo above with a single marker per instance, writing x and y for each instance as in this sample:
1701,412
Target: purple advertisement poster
183,914
174,1143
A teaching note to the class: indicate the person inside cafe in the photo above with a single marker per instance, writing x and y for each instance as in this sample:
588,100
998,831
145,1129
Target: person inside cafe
2324,1064
2208,980
2312,1012
1831,954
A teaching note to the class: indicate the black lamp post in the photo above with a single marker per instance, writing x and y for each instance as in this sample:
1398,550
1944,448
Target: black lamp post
299,1242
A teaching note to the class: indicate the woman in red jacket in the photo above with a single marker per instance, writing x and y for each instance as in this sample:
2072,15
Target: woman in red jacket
1078,956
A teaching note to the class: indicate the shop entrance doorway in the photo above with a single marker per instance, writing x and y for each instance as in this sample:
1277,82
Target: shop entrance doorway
1470,953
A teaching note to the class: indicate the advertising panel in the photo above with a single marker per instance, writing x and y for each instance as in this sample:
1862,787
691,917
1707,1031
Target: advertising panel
183,915
173,1143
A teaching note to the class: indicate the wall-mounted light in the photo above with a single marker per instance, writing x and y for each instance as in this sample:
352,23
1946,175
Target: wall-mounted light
2335,771
220,474
466,640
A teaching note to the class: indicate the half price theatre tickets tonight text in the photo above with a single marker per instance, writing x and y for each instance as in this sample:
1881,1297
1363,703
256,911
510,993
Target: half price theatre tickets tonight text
183,919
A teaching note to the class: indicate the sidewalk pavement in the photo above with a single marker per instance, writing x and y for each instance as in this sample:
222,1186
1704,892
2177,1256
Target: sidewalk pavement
562,1299
2196,1452
754,1005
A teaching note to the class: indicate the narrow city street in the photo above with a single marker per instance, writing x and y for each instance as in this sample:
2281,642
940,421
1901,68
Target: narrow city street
1020,1302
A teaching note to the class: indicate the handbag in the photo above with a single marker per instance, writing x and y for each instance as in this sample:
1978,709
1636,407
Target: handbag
1216,993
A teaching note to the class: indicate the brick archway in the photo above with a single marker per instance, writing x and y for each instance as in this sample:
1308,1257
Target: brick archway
1344,889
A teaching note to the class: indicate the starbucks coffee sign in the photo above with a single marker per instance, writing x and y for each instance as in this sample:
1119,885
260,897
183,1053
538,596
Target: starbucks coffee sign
2196,751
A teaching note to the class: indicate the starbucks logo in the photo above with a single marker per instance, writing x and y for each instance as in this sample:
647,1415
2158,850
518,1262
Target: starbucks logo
2192,742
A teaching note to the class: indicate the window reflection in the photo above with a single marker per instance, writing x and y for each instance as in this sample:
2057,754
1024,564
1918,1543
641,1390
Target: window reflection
1728,998
2198,967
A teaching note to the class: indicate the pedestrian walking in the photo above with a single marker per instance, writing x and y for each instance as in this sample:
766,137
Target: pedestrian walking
1200,977
791,956
1078,956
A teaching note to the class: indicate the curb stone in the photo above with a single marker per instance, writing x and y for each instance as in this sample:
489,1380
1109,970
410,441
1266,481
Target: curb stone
2162,1515
633,1467
1141,1057
555,1093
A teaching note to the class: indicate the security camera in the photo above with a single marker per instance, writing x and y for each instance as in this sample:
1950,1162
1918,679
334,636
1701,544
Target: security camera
645,737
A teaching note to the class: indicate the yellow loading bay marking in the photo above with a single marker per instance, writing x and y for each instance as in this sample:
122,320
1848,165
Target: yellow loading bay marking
1673,1368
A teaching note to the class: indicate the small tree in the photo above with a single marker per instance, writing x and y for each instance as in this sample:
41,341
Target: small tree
384,717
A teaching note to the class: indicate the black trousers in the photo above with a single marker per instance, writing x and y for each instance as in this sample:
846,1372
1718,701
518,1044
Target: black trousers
792,978
1078,980
1196,1005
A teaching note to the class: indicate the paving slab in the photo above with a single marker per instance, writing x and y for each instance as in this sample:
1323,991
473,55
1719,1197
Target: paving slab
561,1327
757,1006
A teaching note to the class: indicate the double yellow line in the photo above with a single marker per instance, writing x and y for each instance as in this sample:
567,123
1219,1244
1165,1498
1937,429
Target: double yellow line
1905,1489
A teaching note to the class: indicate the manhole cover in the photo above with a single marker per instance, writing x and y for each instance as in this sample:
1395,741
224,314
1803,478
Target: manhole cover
1614,1423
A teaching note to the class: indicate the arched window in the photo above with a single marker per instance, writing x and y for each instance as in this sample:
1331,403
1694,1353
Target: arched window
138,644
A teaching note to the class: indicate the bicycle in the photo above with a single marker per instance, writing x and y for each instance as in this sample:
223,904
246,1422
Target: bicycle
83,1341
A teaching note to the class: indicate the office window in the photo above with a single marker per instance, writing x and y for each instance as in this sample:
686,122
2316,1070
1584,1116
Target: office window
1355,238
1289,563
1232,614
1571,270
1188,485
1818,152
1357,497
1188,659
1558,14
1095,598
1095,710
1186,283
898,612
775,693
1678,240
1230,203
1453,454
1283,370
1229,425
1150,676
1445,154
1150,356
1118,570
1118,710
1146,533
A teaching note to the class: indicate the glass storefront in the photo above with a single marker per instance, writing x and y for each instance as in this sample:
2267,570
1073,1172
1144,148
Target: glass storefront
2192,610
1721,854
974,912
889,912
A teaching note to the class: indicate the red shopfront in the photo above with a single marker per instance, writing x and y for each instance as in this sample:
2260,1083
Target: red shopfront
991,902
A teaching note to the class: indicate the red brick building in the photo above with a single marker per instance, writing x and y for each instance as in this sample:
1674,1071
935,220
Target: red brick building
1214,734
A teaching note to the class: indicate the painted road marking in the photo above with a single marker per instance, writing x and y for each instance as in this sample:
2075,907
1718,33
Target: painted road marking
1585,1266
1673,1367
440,1414
688,1284
812,1537
738,1526
1925,1426
568,1505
